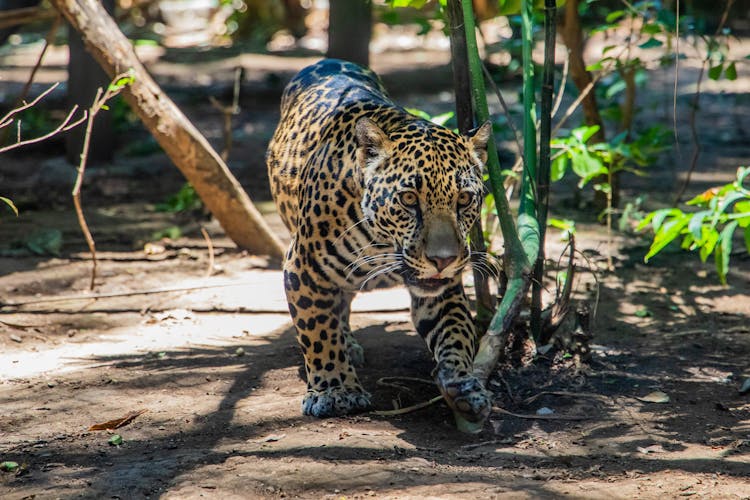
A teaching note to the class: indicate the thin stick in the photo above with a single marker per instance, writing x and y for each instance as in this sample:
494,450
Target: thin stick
561,89
408,409
25,91
64,126
210,245
100,100
7,119
79,181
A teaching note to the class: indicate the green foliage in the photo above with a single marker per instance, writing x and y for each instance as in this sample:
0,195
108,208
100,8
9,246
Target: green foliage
413,4
441,119
170,233
724,210
607,158
185,200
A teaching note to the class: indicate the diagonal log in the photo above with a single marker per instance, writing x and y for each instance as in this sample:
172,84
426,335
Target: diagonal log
182,142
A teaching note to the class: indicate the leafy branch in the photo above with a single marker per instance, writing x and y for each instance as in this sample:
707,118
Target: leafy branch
725,209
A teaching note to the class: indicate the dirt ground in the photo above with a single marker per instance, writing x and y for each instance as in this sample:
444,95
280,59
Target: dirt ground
656,412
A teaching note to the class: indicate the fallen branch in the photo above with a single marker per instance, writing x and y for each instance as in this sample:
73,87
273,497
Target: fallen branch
97,296
182,142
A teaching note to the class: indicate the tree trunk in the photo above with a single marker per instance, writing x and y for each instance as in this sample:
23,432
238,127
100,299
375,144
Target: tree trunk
182,142
572,35
349,30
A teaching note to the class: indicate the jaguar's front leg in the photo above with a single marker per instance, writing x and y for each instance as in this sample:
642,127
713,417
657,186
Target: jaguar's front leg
332,385
446,325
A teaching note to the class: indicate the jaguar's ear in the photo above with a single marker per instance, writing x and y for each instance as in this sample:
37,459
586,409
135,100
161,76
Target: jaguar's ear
478,138
373,146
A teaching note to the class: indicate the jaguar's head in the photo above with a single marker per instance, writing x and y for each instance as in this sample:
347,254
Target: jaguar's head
422,192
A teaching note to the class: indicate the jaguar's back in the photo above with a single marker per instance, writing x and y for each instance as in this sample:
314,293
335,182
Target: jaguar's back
319,108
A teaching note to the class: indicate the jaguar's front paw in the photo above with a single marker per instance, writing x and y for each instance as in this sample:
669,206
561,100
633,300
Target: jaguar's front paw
467,398
335,402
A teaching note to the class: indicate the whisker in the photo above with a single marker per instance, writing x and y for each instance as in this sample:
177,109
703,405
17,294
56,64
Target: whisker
373,260
378,271
360,221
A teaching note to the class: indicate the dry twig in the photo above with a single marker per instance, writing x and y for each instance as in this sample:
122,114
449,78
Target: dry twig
66,124
408,409
100,101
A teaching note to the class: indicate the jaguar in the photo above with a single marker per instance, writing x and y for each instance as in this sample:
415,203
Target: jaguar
374,196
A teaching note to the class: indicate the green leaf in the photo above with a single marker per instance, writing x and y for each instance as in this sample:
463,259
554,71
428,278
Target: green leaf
695,226
115,440
614,16
558,168
660,215
442,118
9,466
714,72
666,234
722,256
587,166
10,204
643,313
730,198
415,4
566,225
709,243
731,72
651,43
747,238
742,207
651,29
585,133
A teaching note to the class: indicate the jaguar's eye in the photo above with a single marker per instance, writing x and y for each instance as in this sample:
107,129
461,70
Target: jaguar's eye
409,199
464,199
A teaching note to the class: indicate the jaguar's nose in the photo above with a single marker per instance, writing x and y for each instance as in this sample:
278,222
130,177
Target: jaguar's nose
442,262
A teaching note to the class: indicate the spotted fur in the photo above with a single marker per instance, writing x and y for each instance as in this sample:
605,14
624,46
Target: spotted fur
373,196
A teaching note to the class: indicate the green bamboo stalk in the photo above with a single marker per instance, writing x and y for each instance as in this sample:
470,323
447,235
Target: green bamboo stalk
543,173
528,201
482,111
521,241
